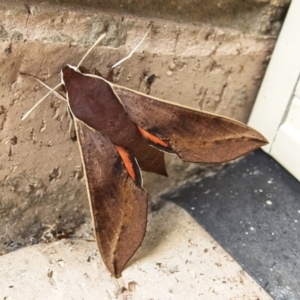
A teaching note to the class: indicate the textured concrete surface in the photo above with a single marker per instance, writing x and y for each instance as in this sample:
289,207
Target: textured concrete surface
251,16
252,209
41,177
178,260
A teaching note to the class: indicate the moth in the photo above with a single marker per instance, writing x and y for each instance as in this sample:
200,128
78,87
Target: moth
121,132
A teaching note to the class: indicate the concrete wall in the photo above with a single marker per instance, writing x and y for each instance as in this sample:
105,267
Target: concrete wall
218,69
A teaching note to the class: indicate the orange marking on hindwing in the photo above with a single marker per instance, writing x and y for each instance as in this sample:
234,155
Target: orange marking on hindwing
127,161
152,138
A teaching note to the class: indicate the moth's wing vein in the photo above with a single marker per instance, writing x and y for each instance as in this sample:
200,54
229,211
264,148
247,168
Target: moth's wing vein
194,135
118,203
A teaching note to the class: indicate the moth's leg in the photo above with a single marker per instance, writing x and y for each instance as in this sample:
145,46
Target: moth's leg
72,129
110,75
97,73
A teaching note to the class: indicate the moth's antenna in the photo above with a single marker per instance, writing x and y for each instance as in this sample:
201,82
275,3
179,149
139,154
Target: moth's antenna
58,95
30,111
53,90
133,50
89,51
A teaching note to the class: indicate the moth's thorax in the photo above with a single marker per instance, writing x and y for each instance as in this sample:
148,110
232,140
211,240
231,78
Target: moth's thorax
93,101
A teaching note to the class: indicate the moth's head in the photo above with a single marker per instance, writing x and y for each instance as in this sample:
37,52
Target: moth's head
82,70
69,74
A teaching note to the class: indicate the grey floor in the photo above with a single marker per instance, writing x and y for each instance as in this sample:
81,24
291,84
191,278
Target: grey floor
252,208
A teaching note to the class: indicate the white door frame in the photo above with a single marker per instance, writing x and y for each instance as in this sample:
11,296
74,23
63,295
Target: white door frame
279,93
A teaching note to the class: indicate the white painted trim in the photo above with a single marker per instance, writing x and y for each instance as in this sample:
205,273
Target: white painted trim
277,92
286,147
280,79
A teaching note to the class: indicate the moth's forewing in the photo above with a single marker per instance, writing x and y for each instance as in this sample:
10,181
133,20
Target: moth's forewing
118,204
196,136
92,100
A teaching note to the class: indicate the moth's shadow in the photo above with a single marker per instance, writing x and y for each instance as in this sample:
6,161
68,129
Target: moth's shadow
163,219
161,223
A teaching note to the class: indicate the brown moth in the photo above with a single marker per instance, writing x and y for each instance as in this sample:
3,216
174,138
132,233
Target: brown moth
120,132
